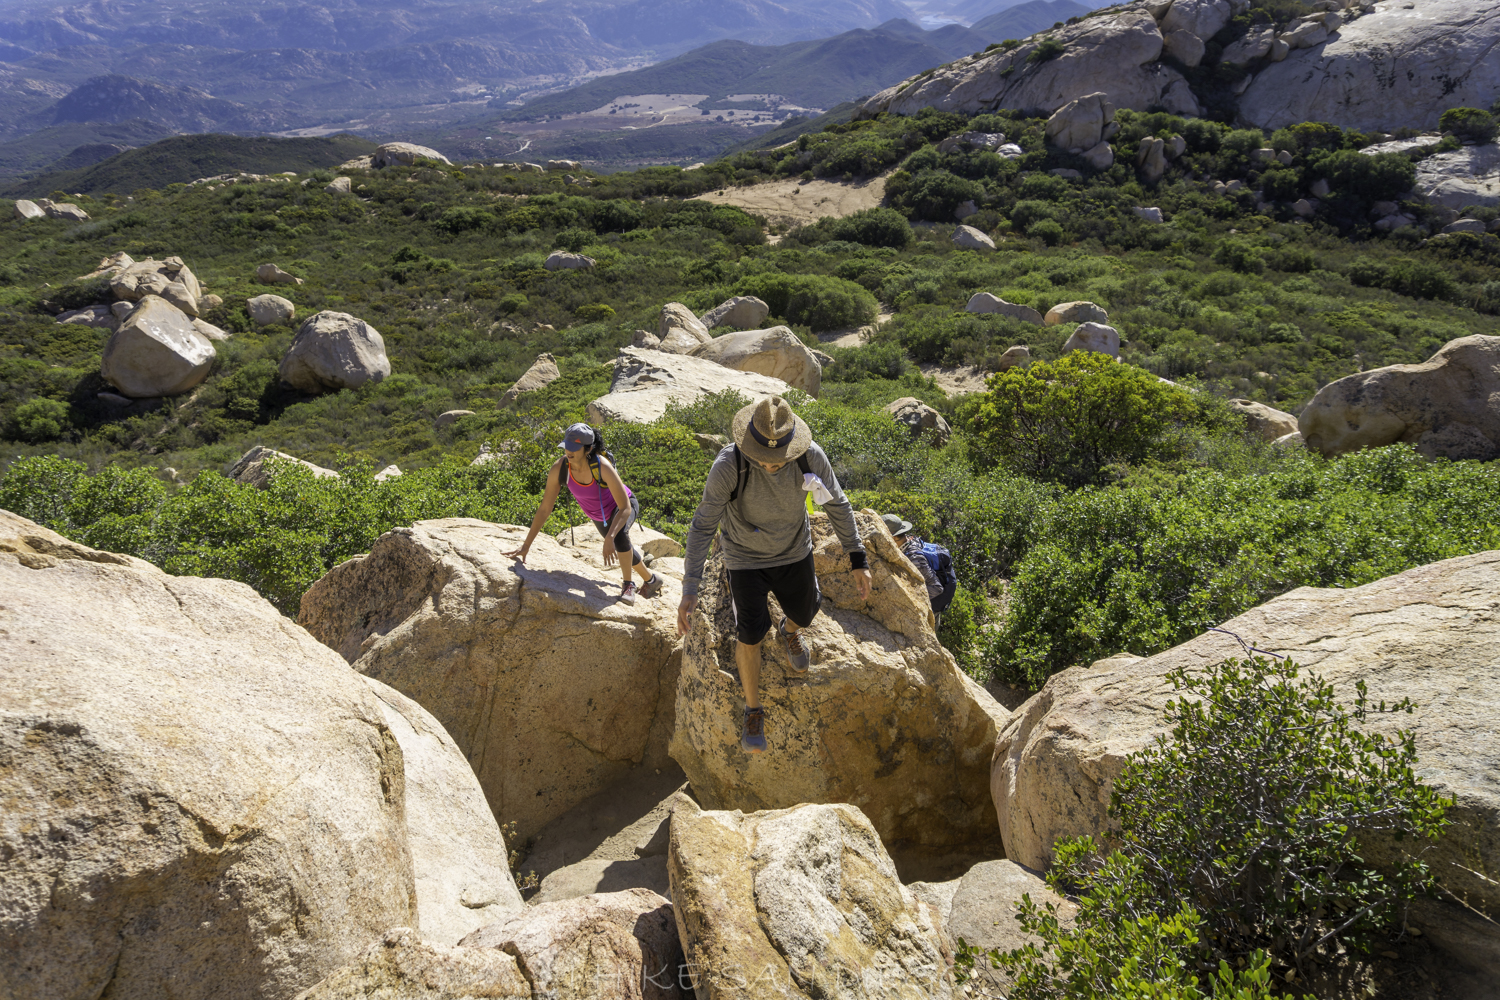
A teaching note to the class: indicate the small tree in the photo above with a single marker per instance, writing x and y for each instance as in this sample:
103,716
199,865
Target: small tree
1064,421
1471,125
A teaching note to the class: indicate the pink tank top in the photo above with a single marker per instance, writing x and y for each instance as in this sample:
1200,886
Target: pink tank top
597,501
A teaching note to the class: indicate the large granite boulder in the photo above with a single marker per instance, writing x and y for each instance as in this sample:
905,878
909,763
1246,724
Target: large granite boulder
1200,18
170,279
743,312
883,719
985,302
1114,54
404,154
920,417
679,330
1265,422
776,352
267,309
200,800
1448,406
1394,67
969,238
562,260
1464,177
1080,123
402,966
98,317
256,467
646,382
800,903
1097,337
270,274
547,683
25,210
1429,634
542,373
333,351
156,352
1076,312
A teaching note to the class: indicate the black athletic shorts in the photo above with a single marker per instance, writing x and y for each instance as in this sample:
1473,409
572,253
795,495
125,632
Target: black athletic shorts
622,537
795,586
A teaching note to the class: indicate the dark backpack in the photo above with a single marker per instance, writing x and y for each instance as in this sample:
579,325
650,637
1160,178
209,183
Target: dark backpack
941,561
562,470
742,471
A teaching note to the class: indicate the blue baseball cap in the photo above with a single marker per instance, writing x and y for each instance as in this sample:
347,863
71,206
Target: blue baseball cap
577,437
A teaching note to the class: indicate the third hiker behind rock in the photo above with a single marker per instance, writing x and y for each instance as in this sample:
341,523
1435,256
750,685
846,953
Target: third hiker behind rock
755,497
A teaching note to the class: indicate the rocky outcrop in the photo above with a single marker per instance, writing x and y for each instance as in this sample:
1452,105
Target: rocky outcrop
561,260
921,418
1096,337
743,312
984,302
1447,407
1265,422
883,719
226,824
804,902
258,465
270,274
339,185
542,373
1113,54
679,330
449,417
28,210
549,685
210,331
65,210
1076,312
1079,124
267,309
969,238
402,966
169,279
156,352
776,352
646,382
1394,67
1430,634
1013,357
98,317
584,541
1464,177
333,351
404,154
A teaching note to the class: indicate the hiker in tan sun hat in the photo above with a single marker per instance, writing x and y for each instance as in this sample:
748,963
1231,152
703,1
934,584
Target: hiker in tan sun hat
755,496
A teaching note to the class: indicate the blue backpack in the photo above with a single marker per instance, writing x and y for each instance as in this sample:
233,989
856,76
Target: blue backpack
941,561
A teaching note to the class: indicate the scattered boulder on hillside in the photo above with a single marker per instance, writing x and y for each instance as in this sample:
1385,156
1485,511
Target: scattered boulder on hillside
972,140
1076,312
1152,215
403,966
1079,125
542,373
980,907
387,473
1447,407
210,331
65,210
645,340
267,309
547,683
450,417
1264,421
1426,634
109,266
743,312
561,260
460,864
1388,69
1097,337
169,279
210,301
339,185
562,164
98,317
1114,53
156,352
806,900
1020,355
404,154
920,418
227,822
256,467
333,351
28,210
776,352
969,238
1100,157
1462,178
984,302
884,718
646,382
270,274
679,330
1151,159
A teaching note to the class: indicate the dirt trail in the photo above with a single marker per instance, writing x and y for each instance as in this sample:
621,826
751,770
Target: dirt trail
795,203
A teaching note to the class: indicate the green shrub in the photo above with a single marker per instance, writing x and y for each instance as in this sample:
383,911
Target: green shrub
873,227
1470,125
573,240
1049,231
594,312
1384,177
932,195
41,420
1047,50
819,301
1065,421
515,302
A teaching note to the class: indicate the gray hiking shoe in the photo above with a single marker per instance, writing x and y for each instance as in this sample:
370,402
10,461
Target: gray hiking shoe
796,650
652,587
628,592
753,738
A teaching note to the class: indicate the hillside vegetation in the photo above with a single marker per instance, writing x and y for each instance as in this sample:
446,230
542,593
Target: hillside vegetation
1175,528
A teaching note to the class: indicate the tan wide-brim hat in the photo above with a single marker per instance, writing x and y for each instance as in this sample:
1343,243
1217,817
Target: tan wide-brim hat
769,431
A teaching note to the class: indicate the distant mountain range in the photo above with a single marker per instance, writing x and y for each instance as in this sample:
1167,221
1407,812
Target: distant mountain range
1026,19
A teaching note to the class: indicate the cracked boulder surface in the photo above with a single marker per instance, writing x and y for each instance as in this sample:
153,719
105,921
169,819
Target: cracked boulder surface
550,686
196,798
883,719
1399,66
1431,634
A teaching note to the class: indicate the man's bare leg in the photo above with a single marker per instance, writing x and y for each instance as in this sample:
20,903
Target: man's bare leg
747,658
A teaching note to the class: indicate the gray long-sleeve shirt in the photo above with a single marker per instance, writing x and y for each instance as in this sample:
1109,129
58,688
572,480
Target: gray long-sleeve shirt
767,524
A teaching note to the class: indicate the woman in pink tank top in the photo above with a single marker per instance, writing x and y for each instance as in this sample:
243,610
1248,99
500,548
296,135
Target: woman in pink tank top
605,500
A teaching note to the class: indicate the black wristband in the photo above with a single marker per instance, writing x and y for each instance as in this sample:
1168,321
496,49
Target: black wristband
857,561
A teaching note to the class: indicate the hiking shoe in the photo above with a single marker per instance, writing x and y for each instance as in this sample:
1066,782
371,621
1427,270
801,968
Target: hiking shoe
753,740
652,587
796,650
628,592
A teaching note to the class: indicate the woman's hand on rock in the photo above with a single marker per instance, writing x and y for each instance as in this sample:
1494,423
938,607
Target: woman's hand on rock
519,555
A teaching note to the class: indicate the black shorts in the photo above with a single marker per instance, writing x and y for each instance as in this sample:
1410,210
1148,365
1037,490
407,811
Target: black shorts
795,586
622,537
